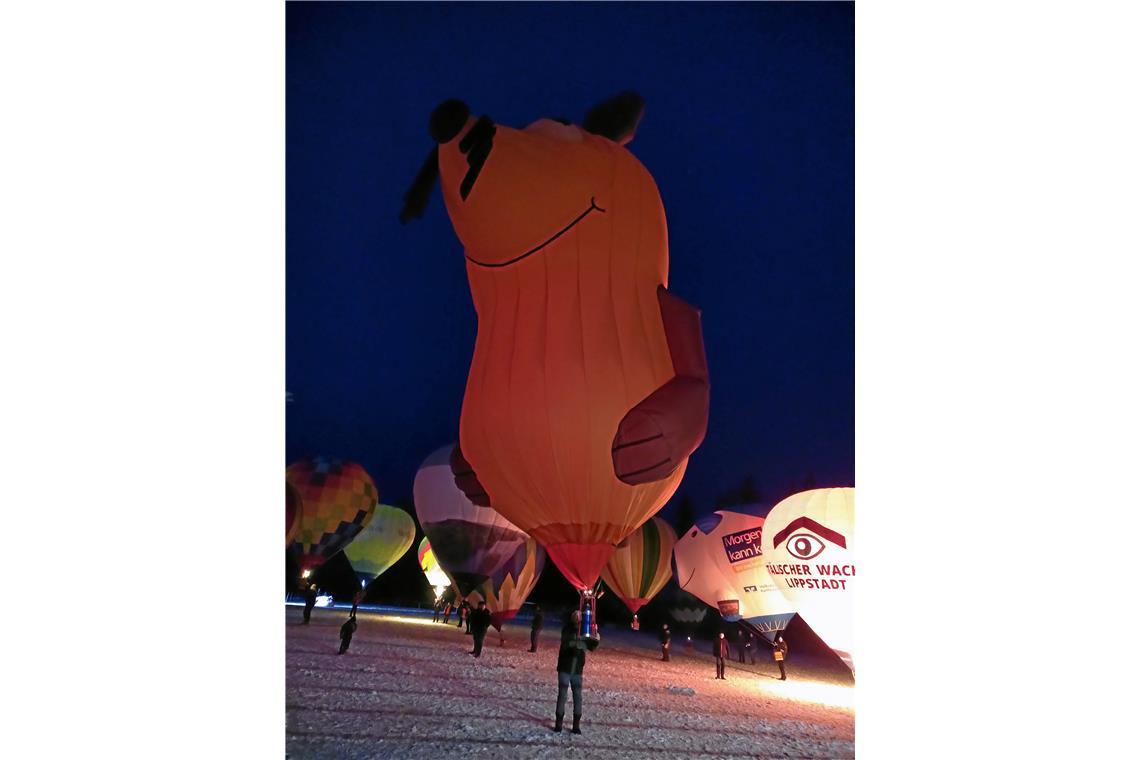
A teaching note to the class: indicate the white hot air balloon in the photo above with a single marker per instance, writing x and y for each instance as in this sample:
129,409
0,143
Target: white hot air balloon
809,550
719,561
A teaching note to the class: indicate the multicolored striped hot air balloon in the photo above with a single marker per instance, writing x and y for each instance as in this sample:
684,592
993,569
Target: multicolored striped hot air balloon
470,542
436,577
641,564
292,513
389,534
337,501
510,585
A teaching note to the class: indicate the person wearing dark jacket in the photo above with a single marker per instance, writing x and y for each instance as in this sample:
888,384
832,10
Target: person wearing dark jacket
666,637
356,599
750,645
438,609
741,640
346,632
720,652
535,627
779,654
571,662
480,621
464,611
310,601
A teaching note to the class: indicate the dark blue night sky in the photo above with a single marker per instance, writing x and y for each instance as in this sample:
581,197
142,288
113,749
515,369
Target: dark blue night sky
749,132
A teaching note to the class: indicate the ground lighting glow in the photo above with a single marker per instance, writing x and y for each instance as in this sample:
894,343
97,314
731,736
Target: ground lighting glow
412,621
832,695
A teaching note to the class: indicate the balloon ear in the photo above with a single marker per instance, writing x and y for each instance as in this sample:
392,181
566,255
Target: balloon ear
616,118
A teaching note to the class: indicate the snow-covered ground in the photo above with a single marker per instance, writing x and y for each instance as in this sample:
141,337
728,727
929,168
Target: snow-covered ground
408,688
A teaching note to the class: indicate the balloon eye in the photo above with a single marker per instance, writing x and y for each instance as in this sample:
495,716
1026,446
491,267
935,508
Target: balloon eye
804,545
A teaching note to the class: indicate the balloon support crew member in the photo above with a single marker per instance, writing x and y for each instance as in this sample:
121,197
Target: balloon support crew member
535,628
310,601
720,652
779,654
666,639
571,662
479,626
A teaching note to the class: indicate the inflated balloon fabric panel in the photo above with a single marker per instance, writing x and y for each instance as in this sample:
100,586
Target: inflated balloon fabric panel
337,501
508,588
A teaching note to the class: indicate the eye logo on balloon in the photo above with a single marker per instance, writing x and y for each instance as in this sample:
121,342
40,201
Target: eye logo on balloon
805,546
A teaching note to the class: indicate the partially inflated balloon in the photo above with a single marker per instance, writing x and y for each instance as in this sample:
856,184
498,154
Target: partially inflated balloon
719,560
809,547
512,583
436,577
292,513
588,387
470,541
337,501
389,534
641,565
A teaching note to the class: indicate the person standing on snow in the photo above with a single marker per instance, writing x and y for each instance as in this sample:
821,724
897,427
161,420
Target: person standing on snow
740,645
571,661
356,599
535,628
310,601
438,609
779,654
480,621
750,645
447,613
720,652
464,615
666,637
346,632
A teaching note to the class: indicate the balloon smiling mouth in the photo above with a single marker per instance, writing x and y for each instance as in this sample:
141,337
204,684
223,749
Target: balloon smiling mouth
593,207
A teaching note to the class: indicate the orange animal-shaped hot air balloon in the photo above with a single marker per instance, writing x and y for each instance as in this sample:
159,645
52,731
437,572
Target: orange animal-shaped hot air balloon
588,388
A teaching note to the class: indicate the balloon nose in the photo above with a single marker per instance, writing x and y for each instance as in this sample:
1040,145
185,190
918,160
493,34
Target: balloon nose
447,120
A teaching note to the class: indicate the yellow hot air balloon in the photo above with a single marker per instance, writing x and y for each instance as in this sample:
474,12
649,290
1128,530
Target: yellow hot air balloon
389,534
337,501
809,550
507,589
641,564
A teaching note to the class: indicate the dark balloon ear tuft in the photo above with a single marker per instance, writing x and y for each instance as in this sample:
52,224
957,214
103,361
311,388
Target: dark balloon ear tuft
447,120
616,118
416,199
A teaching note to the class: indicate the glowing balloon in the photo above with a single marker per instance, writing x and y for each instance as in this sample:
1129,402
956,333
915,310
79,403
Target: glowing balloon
719,560
470,541
641,565
436,577
389,534
809,547
512,583
588,387
292,513
337,501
